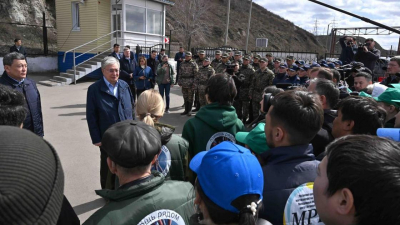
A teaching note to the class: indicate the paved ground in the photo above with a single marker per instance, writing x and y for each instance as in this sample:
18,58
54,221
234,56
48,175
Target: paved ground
66,129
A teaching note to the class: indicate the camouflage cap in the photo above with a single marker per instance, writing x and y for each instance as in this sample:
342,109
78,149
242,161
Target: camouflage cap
202,52
228,51
188,53
268,55
238,53
257,57
247,57
290,57
218,52
225,55
263,60
206,59
277,60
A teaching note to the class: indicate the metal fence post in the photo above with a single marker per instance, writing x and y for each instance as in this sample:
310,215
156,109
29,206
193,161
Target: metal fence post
73,56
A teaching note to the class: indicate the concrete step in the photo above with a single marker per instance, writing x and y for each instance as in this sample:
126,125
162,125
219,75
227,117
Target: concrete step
49,83
90,66
58,81
80,73
97,63
84,69
65,80
68,75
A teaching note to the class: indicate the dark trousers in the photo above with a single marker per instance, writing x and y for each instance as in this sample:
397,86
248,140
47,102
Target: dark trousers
107,179
165,88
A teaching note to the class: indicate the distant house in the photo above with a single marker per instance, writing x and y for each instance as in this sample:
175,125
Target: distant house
79,22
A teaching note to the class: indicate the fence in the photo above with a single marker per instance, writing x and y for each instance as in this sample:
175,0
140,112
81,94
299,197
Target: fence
306,56
210,52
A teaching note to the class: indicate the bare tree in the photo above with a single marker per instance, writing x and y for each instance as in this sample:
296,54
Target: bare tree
189,16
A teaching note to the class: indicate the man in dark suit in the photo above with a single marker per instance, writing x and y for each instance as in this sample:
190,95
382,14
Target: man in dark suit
128,66
109,100
14,76
116,53
18,47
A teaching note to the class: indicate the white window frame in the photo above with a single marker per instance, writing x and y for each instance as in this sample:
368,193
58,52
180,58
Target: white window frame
146,31
76,23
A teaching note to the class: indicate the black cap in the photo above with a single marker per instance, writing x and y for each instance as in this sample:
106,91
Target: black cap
131,143
31,178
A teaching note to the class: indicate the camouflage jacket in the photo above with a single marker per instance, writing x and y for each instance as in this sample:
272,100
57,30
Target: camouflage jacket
261,80
215,63
270,65
203,75
240,62
187,73
256,66
220,68
248,73
199,62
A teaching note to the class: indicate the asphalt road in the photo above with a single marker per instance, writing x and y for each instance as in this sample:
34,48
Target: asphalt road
65,127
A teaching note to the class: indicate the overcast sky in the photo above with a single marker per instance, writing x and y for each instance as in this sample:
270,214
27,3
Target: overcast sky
303,14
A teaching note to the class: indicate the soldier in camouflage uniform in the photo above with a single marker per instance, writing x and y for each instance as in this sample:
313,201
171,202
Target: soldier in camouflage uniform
262,79
222,66
217,59
230,55
187,73
247,71
256,64
201,79
277,63
238,58
270,58
199,62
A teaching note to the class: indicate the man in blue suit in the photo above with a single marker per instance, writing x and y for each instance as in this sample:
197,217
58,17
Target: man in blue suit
109,100
116,54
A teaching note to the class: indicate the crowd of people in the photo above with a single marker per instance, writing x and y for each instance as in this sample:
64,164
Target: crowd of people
272,142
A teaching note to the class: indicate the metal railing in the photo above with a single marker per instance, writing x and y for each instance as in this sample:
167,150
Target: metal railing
110,35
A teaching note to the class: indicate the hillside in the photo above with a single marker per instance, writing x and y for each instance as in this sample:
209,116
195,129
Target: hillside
282,34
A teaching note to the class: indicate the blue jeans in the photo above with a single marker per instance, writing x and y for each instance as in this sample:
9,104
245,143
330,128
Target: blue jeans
166,88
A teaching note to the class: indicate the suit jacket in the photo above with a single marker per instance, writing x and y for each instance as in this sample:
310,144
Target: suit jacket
127,68
34,117
103,109
21,50
115,55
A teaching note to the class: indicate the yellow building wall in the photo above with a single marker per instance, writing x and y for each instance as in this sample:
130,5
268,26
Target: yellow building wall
91,13
104,23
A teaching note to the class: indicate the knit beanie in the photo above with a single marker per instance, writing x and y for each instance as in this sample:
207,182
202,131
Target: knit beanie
31,178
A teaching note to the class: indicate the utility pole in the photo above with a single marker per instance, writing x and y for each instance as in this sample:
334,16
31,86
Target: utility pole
316,27
248,26
227,22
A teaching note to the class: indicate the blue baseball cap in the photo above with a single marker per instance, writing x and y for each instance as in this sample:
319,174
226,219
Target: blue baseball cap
294,68
314,65
283,65
226,172
331,65
305,68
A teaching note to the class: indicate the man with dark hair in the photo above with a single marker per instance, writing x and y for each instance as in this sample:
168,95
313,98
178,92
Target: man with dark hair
17,47
160,55
290,162
358,115
325,74
358,182
368,54
12,110
116,54
14,76
152,62
393,69
179,57
222,66
329,96
349,48
132,148
361,81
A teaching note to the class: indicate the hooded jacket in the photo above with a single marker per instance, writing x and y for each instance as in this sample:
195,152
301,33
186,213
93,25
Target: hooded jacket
203,131
177,148
149,201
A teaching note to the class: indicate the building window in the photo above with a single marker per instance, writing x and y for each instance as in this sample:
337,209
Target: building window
144,20
75,16
135,19
154,22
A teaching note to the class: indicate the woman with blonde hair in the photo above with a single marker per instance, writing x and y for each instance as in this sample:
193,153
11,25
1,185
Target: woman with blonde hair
143,76
173,155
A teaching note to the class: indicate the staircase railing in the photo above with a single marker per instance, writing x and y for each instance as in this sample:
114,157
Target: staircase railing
74,57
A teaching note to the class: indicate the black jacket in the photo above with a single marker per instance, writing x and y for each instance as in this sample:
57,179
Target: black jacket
21,50
153,64
324,135
347,54
115,55
34,117
127,68
368,58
